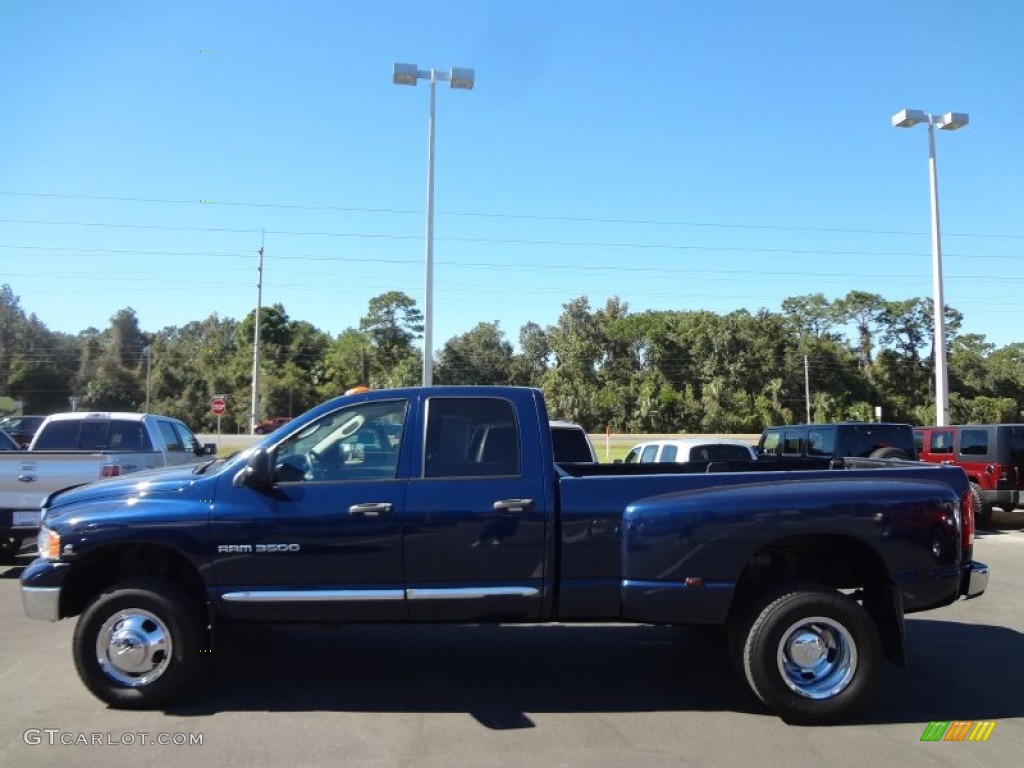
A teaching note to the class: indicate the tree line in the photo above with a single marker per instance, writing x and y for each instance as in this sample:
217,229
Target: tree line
641,372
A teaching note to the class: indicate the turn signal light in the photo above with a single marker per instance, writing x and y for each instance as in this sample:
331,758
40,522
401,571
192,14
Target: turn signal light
48,544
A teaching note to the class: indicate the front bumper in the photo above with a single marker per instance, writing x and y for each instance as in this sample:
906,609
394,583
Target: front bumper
41,583
975,580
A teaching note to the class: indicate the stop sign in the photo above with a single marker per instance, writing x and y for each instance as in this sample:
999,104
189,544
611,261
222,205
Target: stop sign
218,407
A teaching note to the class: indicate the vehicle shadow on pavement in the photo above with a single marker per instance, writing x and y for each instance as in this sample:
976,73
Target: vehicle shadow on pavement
498,674
955,672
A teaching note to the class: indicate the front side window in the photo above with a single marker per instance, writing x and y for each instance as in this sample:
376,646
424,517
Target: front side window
471,437
360,442
649,454
770,443
189,441
171,438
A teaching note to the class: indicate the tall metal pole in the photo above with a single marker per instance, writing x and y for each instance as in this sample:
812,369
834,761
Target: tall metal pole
807,387
428,300
256,346
939,310
149,354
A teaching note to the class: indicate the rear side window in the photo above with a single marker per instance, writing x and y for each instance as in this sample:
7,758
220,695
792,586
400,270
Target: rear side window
471,437
1016,440
669,453
974,442
722,452
821,442
862,440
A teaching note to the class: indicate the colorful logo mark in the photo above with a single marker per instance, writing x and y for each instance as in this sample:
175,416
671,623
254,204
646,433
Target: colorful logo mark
958,730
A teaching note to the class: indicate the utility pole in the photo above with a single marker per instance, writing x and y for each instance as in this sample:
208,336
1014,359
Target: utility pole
253,415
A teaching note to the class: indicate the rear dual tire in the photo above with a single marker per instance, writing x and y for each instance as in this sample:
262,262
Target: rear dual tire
811,654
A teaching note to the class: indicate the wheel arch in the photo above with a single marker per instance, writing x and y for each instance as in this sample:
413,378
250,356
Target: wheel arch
107,566
842,563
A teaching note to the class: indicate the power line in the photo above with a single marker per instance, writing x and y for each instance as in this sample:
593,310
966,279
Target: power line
510,241
506,216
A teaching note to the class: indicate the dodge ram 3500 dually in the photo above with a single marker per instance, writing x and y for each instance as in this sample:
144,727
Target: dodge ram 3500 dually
445,504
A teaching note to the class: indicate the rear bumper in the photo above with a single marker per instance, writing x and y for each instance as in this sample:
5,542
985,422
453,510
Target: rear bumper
975,580
1006,499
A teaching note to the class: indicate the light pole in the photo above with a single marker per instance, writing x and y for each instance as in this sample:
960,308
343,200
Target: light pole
408,74
908,118
148,349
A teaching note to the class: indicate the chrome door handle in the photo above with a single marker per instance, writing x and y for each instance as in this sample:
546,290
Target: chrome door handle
514,505
27,478
371,509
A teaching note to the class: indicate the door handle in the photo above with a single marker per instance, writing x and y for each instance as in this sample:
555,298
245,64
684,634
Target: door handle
514,505
371,509
27,478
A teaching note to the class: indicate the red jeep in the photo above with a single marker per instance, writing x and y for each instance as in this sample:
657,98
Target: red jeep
992,455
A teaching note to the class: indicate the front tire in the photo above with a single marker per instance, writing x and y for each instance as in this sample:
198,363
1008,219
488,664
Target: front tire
136,646
10,546
812,655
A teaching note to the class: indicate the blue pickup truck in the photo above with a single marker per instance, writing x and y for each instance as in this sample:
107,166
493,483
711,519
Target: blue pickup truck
446,505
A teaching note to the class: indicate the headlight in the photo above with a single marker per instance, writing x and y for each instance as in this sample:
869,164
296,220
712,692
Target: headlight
48,544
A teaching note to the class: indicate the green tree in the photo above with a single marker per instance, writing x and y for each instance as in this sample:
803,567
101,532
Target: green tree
481,356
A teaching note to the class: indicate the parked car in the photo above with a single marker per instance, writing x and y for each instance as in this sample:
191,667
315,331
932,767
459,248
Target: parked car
690,449
809,572
268,426
992,455
861,439
75,448
21,428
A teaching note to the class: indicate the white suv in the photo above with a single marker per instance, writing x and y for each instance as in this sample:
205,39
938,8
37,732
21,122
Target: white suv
690,449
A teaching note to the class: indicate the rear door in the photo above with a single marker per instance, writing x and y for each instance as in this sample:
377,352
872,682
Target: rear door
477,519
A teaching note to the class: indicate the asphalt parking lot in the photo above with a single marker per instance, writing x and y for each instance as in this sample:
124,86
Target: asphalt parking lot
596,695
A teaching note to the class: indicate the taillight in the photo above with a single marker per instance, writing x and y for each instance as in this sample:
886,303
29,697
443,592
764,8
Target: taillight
110,470
967,531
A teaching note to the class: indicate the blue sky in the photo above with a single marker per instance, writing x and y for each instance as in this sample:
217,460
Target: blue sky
680,155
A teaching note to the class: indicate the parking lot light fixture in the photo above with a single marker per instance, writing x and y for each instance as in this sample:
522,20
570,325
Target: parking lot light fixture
951,121
463,79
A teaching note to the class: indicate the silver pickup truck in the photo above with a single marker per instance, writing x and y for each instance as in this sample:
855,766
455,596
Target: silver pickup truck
75,448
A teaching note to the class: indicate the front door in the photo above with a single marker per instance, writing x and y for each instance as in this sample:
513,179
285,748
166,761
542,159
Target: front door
324,543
